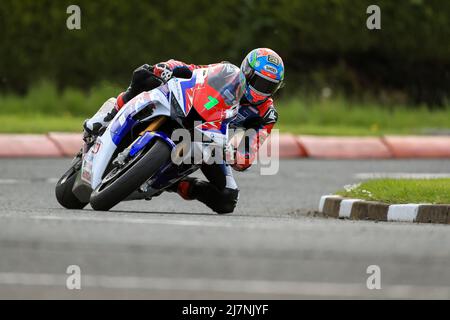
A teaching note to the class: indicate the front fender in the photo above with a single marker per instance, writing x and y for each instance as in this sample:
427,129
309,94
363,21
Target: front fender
145,140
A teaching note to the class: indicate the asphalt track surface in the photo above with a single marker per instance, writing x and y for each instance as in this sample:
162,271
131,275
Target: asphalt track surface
272,247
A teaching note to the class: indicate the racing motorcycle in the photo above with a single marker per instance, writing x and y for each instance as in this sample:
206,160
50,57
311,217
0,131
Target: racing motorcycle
136,158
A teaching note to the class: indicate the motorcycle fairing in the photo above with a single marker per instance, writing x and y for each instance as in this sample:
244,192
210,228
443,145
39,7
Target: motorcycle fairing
149,105
95,163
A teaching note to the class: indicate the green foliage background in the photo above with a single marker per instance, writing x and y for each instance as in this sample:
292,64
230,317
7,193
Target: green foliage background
325,43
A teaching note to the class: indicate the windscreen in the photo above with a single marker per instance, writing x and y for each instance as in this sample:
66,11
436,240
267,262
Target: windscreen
229,82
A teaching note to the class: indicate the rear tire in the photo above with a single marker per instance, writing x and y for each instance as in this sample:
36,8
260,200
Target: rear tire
63,189
109,194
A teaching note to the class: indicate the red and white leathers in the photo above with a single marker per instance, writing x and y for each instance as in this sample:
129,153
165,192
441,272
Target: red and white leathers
259,120
261,117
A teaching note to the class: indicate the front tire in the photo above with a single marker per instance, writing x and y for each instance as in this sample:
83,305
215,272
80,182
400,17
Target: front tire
63,189
110,192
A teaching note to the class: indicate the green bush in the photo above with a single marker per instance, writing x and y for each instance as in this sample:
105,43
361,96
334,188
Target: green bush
341,116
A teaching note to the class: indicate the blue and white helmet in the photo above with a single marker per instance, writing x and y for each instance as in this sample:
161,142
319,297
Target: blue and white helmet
264,70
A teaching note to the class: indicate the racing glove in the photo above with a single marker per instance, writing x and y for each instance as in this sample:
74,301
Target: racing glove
166,72
237,160
163,71
143,79
242,162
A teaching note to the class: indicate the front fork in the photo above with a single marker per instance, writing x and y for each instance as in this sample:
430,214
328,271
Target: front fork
173,171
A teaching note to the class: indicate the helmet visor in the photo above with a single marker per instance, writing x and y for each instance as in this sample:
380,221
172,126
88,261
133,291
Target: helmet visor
263,85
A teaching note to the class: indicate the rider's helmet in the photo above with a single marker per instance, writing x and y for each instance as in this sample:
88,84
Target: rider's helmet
264,70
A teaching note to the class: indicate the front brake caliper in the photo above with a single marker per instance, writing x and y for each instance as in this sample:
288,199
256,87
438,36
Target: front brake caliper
122,157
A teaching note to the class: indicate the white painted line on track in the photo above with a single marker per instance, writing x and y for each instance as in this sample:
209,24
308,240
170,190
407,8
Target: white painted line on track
292,288
235,224
27,181
403,212
9,181
282,224
400,175
345,209
174,222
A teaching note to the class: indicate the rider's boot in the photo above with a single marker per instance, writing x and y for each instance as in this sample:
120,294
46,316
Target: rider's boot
94,126
184,188
221,201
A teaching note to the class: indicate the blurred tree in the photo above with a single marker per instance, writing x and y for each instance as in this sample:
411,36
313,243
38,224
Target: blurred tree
323,42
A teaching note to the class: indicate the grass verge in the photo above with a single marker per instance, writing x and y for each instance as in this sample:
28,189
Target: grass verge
401,191
26,123
338,116
44,108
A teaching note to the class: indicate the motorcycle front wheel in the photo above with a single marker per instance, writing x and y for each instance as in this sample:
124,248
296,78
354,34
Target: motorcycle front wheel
120,182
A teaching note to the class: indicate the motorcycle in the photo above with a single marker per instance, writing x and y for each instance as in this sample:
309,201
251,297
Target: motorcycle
136,158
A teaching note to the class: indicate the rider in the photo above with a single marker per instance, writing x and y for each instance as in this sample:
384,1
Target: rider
264,72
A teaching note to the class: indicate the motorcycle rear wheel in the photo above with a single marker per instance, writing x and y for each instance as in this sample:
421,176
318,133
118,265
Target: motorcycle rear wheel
63,189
